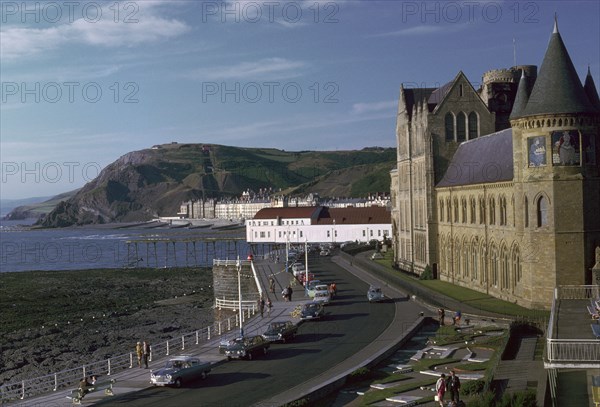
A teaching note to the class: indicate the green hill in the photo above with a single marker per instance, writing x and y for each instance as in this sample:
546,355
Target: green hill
153,182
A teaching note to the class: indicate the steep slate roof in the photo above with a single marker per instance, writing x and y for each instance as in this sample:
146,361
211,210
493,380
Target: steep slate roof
438,95
557,88
288,213
482,160
354,216
590,90
521,98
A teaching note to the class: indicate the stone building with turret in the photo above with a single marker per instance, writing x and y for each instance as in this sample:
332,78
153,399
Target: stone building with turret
498,189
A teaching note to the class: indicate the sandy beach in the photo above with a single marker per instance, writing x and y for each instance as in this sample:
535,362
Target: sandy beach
54,320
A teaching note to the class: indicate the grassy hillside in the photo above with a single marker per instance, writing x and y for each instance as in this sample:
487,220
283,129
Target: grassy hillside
153,182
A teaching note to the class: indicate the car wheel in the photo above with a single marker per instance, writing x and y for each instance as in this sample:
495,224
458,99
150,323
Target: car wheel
178,382
203,375
249,356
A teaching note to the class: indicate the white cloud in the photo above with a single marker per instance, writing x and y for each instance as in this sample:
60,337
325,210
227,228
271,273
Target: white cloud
413,31
17,42
389,105
266,68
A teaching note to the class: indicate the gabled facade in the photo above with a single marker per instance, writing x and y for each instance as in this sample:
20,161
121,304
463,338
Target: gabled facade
513,213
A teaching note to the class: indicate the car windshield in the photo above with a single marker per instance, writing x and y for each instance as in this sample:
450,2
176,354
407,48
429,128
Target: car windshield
276,325
175,364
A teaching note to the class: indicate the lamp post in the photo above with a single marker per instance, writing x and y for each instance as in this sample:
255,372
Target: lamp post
239,270
306,266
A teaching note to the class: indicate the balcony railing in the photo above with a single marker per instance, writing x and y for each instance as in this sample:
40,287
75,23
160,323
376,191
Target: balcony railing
571,353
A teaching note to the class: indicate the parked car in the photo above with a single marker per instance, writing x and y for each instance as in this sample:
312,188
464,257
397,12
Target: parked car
312,310
280,331
375,294
325,252
179,370
298,268
224,343
247,347
302,277
315,288
322,297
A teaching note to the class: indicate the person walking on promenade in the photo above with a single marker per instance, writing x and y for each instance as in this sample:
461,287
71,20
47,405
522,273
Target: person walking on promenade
290,291
139,352
146,353
269,306
272,285
440,388
453,385
261,306
457,317
441,316
286,294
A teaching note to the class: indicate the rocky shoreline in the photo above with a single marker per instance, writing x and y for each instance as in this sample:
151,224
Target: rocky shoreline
55,320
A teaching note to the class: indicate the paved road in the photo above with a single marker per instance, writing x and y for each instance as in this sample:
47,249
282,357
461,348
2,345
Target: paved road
350,325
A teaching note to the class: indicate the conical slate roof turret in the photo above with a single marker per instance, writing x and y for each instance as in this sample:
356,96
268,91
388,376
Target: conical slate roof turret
557,88
521,98
590,90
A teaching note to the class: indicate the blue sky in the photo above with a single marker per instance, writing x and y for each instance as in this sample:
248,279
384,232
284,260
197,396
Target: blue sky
86,82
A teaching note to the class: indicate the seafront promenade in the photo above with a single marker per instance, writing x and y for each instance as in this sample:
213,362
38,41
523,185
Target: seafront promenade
135,379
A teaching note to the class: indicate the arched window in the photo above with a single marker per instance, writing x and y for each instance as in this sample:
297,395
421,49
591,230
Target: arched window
473,210
481,211
504,271
526,212
463,204
494,266
473,126
503,214
542,212
465,258
474,261
461,127
441,210
455,210
482,263
449,125
492,211
516,267
448,210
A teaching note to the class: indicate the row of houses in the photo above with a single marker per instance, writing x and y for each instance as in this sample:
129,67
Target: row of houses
246,206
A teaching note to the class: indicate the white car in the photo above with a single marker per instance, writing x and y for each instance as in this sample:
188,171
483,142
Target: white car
322,297
298,268
319,288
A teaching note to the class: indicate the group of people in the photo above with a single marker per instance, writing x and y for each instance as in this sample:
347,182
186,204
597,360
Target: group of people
86,385
142,350
455,320
450,384
262,304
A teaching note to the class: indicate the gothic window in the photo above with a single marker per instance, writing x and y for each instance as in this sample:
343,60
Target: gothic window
473,213
442,251
455,210
481,211
465,259
474,261
461,130
463,205
512,204
503,213
494,265
482,263
441,210
461,90
526,213
448,210
492,211
449,125
504,273
473,125
542,212
516,267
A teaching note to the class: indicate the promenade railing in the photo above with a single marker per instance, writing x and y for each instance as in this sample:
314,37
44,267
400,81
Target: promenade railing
37,386
565,353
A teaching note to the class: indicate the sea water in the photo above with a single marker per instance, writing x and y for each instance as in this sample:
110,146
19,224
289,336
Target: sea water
78,248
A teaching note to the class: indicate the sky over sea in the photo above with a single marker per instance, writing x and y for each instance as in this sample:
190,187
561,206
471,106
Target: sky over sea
84,82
